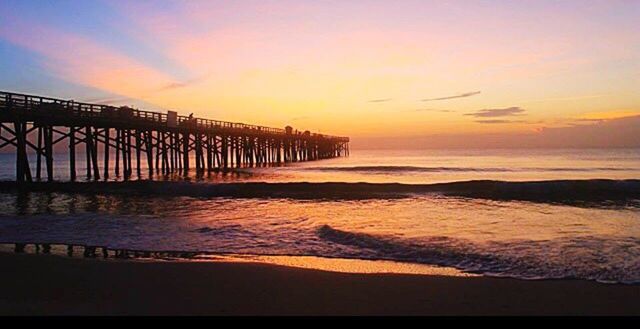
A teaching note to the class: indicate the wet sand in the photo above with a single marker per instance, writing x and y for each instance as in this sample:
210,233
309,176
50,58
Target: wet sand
55,285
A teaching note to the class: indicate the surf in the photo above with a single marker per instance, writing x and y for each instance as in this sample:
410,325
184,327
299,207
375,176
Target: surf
603,191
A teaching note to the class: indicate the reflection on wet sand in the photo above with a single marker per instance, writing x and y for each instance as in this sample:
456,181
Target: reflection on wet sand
95,251
309,262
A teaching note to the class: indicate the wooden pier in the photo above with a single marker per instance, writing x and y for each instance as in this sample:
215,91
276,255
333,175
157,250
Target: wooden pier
166,142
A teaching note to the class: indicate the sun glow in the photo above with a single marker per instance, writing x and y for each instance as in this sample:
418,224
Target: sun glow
366,69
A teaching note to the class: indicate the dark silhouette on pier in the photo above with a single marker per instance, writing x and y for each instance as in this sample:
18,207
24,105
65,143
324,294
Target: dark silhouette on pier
165,140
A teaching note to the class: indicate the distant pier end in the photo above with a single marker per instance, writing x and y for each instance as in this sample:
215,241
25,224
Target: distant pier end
166,142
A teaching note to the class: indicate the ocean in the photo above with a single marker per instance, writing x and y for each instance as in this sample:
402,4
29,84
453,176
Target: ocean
527,214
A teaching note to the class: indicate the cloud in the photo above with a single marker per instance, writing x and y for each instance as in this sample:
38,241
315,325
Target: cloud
620,132
109,100
173,85
623,132
89,63
592,118
493,121
381,100
587,120
182,84
498,121
469,94
609,115
300,118
495,113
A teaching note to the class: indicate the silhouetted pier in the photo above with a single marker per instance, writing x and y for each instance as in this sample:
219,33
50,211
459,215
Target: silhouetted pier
167,142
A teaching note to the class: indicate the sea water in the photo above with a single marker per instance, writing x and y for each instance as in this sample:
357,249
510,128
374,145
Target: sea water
527,238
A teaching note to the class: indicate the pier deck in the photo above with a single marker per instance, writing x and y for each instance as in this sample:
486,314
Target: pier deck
167,142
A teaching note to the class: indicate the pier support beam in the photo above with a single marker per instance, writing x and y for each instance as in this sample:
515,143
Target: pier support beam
138,154
48,145
226,144
107,141
185,153
72,153
117,166
87,150
23,174
39,154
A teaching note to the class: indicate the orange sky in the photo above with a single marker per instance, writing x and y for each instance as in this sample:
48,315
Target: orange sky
365,69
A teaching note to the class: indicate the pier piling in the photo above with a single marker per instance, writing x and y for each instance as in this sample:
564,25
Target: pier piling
172,139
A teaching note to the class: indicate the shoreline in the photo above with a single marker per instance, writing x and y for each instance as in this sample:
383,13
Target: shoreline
320,263
52,285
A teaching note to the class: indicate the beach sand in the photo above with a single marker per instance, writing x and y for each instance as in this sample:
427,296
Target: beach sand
54,285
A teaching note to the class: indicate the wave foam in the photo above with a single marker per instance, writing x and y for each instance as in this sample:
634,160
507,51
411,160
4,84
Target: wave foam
597,192
590,258
402,169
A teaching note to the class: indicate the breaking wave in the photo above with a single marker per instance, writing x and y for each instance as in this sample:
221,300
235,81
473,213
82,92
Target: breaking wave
402,169
593,191
588,257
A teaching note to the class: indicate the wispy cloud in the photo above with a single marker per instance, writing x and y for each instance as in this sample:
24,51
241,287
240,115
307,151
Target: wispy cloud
496,113
469,94
90,63
109,100
173,85
609,115
589,120
182,84
300,118
593,118
381,100
498,121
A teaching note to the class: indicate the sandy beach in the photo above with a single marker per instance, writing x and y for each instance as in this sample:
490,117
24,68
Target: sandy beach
55,285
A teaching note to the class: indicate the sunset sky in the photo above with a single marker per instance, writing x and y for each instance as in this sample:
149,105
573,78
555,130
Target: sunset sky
366,69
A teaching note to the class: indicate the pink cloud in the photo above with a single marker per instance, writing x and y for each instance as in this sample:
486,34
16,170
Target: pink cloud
80,60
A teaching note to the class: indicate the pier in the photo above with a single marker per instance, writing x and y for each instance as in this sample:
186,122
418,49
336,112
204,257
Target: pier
166,142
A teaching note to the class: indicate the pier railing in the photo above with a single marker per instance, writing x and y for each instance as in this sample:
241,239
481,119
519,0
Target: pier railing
46,106
165,141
